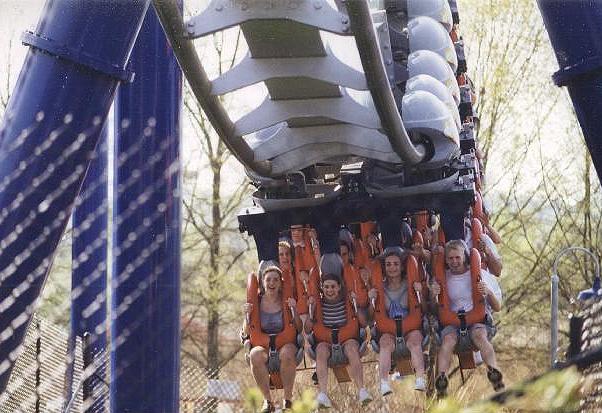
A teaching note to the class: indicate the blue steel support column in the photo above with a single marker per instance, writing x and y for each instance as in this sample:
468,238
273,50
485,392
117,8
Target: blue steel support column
77,57
146,275
575,31
89,269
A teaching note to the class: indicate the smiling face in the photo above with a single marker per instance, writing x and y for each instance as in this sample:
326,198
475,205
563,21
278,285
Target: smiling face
331,289
284,256
393,266
271,282
455,260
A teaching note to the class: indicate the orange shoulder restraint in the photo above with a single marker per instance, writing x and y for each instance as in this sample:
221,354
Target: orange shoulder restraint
476,229
327,334
258,337
305,260
446,316
413,320
353,282
422,218
477,208
361,253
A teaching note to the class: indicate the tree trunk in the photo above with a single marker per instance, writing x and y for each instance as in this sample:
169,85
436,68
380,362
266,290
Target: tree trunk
214,284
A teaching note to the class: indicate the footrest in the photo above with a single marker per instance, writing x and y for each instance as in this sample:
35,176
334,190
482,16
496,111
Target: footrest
404,366
341,373
466,360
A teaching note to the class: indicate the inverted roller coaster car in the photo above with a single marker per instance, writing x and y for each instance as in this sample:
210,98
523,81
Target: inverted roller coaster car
426,62
438,10
425,33
429,84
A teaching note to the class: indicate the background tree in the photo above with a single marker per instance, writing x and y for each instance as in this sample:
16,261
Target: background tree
217,257
539,175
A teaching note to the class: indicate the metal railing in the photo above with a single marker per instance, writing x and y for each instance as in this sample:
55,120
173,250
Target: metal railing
555,279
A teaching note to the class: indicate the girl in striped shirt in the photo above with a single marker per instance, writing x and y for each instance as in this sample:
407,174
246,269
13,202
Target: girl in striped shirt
334,315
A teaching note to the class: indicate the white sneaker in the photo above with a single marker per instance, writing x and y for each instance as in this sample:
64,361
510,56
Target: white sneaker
323,401
478,359
385,388
420,384
364,397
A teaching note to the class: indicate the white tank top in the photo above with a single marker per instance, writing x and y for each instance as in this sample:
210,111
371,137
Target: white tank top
459,291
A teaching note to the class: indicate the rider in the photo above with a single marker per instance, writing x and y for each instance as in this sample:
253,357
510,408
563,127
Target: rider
459,290
335,315
285,256
395,293
272,320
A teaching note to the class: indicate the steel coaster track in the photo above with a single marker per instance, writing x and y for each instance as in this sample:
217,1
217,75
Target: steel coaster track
321,113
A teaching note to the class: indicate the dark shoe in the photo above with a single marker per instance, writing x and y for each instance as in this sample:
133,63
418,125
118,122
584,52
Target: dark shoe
314,378
495,378
267,407
287,406
441,385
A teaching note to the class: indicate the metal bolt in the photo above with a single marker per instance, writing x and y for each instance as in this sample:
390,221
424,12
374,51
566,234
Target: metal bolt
345,29
317,5
219,7
244,6
344,19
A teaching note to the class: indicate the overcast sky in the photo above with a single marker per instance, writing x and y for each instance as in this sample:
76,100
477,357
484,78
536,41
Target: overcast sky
16,16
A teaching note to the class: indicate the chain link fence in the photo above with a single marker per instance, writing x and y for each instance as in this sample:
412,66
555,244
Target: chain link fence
38,381
210,391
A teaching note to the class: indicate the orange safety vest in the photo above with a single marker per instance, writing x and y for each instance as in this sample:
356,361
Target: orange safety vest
326,334
413,320
258,337
446,316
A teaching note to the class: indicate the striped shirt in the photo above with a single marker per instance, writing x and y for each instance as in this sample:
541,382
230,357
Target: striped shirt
334,315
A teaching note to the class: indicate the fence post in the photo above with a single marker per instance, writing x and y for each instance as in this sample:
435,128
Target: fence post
38,363
88,374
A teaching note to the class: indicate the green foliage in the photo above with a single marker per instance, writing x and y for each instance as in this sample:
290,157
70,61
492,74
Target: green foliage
306,404
253,400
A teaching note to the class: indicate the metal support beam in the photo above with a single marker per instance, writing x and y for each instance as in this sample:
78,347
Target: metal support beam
51,126
89,265
145,304
575,30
